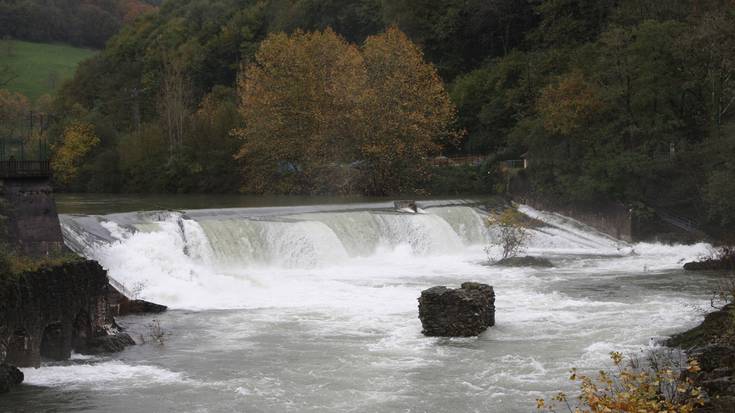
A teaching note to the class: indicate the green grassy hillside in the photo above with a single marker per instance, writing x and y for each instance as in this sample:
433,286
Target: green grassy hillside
40,67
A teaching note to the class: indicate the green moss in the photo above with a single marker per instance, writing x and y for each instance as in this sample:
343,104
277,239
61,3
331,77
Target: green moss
13,265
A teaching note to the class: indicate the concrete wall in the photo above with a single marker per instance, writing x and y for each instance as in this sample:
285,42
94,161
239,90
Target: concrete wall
32,223
612,219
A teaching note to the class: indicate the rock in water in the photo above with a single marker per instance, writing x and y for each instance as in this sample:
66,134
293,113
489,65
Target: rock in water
10,377
108,344
525,262
461,312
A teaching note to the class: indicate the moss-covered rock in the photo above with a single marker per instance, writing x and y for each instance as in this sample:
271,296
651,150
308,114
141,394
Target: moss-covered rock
525,262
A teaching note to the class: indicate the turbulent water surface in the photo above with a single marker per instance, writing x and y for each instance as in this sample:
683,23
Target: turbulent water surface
313,309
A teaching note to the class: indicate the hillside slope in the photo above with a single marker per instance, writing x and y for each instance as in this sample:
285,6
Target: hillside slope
40,67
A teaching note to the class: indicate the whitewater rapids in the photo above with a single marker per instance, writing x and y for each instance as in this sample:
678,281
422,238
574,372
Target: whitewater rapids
314,309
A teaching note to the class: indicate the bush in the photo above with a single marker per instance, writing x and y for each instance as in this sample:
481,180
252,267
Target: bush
513,232
662,387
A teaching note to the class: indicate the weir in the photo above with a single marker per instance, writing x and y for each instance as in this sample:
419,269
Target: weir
335,287
187,258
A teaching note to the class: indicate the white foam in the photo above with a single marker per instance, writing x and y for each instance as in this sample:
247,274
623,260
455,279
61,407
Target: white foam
103,376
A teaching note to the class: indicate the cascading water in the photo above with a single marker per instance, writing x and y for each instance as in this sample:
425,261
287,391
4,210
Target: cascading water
314,309
160,250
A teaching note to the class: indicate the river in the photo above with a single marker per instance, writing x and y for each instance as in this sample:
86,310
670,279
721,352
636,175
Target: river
291,306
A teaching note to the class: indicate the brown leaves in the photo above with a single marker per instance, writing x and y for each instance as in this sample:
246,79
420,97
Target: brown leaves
77,142
630,389
313,99
568,104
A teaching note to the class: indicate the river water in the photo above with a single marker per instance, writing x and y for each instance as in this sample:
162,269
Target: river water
313,309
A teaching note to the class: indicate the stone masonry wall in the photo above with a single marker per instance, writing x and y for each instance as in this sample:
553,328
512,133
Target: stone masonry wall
53,311
33,225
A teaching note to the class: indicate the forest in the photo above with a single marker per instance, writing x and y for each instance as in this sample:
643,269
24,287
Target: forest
623,100
80,23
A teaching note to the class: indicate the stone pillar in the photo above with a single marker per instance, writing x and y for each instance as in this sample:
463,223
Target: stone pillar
462,312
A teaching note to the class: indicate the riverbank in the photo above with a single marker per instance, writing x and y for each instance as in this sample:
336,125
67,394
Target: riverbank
712,344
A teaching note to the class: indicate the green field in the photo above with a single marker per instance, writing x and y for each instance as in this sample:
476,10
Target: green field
40,67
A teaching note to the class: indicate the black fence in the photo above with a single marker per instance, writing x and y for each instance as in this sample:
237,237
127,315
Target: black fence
24,135
25,169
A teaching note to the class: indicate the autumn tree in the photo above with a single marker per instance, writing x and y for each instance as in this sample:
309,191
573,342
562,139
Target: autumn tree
77,141
569,104
302,105
312,100
409,114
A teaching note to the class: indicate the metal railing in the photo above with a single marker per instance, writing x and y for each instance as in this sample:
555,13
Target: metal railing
515,163
25,169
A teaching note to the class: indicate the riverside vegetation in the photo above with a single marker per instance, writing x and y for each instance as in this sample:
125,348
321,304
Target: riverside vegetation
628,101
666,382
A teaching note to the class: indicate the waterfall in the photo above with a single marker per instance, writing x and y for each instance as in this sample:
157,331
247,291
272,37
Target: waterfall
230,258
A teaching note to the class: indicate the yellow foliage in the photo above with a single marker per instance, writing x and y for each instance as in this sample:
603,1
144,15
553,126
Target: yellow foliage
660,390
410,114
77,142
311,100
12,105
300,103
512,232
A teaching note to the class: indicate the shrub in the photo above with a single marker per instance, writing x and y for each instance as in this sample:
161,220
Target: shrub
660,388
513,235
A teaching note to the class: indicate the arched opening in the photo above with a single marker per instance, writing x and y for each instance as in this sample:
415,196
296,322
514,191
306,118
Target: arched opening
81,332
54,344
20,349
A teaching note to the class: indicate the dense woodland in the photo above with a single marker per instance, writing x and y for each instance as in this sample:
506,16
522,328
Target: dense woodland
626,100
87,23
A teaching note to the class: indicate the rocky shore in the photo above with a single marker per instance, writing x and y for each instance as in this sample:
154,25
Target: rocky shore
712,343
723,259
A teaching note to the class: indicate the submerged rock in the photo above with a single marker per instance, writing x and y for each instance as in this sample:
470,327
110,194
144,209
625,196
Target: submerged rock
525,262
461,312
10,376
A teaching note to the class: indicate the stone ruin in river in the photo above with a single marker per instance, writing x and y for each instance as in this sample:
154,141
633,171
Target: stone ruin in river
461,312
